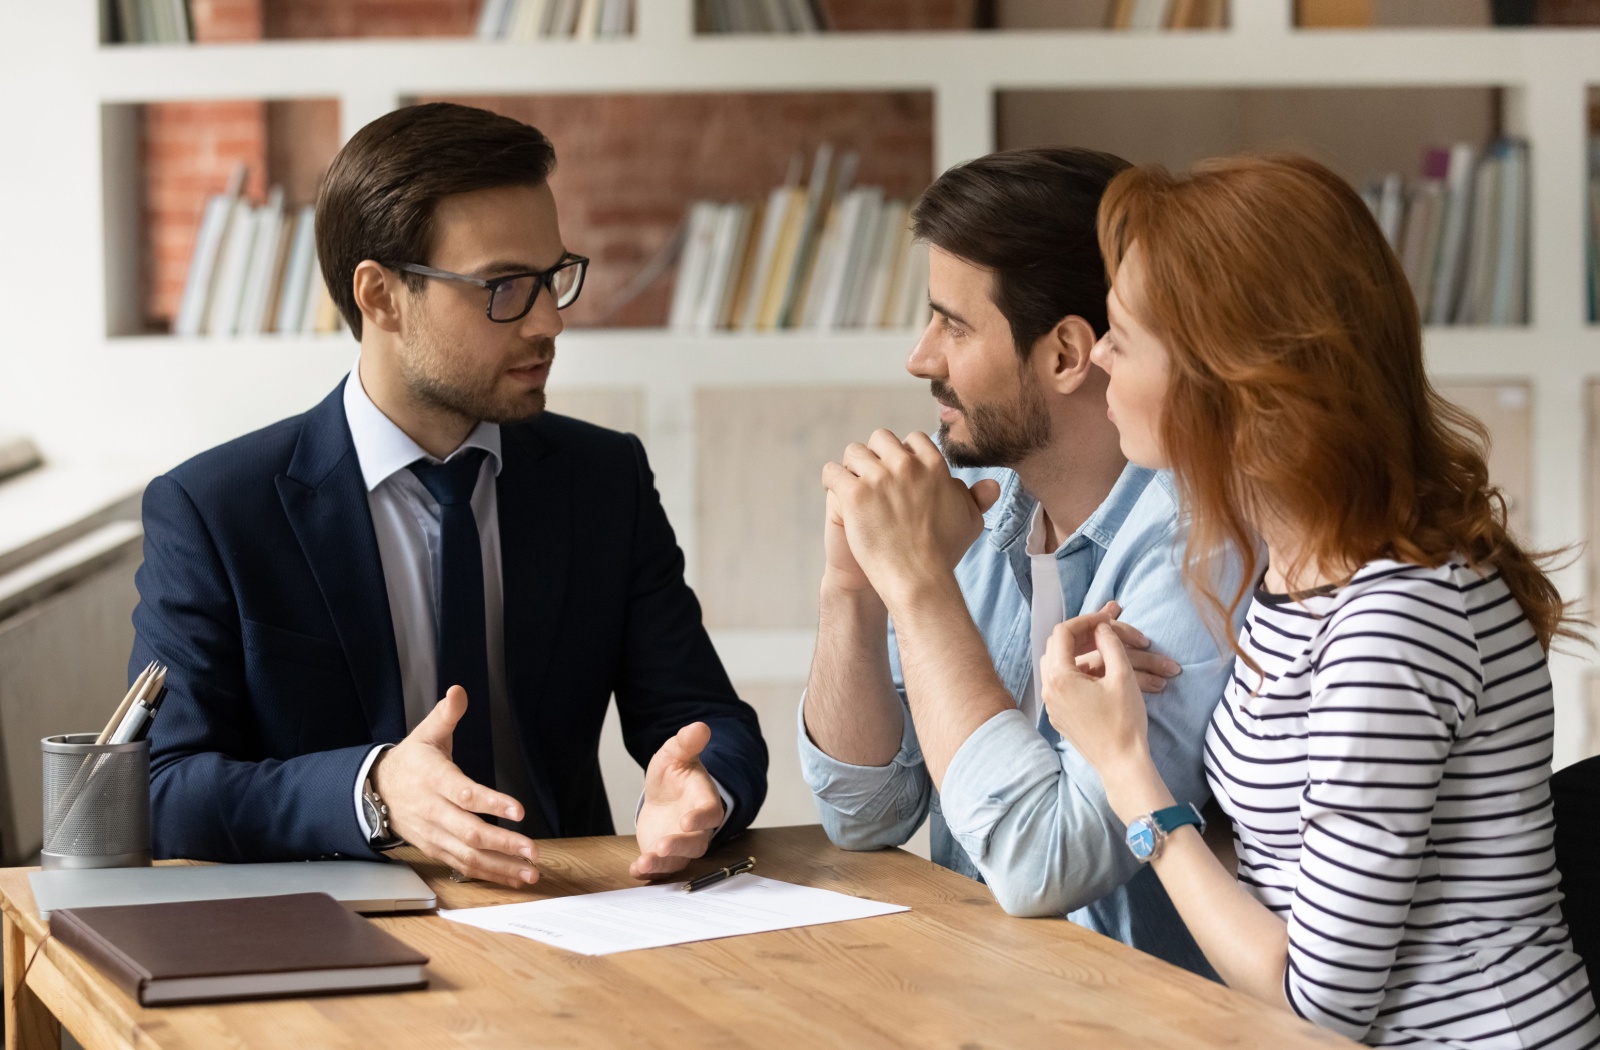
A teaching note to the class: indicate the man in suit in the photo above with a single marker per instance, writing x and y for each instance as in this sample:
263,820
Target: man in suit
428,531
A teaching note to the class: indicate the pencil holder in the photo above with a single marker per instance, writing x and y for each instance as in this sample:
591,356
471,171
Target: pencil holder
96,803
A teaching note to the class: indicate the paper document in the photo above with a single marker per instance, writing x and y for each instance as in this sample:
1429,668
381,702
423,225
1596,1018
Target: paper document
654,916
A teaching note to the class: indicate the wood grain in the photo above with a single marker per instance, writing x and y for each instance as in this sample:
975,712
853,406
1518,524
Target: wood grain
955,971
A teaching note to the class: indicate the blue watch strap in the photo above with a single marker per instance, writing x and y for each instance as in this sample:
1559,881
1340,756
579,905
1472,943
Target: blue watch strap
1174,817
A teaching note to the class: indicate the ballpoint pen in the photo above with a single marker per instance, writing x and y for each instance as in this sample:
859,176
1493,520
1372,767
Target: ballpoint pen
720,875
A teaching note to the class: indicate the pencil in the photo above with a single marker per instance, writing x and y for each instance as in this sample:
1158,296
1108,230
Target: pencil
127,702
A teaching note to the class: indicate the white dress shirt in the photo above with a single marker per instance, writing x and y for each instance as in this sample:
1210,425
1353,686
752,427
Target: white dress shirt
406,521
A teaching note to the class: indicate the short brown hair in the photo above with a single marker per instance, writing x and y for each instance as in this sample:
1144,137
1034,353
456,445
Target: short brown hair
377,200
1027,215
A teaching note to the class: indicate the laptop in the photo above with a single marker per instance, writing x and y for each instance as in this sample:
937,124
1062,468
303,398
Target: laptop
360,885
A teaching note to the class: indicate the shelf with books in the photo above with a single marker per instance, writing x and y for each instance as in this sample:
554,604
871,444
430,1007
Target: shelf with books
1460,221
844,16
206,22
208,216
1434,14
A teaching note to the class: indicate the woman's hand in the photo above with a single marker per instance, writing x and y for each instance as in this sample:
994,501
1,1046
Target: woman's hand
1102,716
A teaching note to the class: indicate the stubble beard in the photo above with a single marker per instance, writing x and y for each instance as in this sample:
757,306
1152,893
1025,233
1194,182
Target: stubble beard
998,435
425,370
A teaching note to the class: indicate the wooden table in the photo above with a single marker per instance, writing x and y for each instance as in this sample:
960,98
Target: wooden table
955,971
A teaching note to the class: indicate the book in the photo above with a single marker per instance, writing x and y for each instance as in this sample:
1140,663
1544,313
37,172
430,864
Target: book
199,280
1333,14
733,306
1508,298
1420,247
695,261
588,24
784,252
1482,244
263,257
280,271
861,300
727,247
773,218
130,22
826,182
1391,208
526,16
307,322
492,19
249,948
1148,15
222,315
297,276
1453,239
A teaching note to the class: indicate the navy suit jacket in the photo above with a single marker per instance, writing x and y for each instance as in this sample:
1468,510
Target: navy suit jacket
263,590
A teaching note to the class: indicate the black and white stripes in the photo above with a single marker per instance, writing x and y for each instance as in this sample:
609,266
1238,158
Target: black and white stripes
1388,780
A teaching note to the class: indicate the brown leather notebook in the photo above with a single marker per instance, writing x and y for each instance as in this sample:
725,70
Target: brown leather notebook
250,948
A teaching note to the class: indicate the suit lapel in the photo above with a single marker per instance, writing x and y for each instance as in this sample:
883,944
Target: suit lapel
325,499
535,546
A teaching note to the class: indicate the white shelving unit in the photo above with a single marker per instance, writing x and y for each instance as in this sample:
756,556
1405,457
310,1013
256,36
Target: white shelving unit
155,399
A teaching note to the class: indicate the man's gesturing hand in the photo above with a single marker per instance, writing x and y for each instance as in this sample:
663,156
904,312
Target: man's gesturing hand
681,809
432,804
903,514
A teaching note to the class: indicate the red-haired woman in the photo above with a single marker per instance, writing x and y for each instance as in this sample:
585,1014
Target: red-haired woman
1384,747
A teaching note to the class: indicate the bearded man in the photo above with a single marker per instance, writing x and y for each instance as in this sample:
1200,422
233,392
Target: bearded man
1044,521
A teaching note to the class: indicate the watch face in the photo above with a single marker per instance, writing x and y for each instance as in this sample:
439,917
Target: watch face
1141,839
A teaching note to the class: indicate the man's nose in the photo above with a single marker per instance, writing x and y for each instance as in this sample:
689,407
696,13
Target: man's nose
927,359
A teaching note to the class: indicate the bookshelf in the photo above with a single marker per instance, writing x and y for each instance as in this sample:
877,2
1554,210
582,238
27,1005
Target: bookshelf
206,390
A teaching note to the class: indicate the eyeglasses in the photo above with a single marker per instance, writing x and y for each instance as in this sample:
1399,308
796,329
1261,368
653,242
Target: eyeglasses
512,296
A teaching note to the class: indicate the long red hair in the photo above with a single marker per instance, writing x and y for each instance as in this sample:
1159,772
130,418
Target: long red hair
1297,386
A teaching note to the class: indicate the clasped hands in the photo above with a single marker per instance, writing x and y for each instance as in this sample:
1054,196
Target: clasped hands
434,806
898,523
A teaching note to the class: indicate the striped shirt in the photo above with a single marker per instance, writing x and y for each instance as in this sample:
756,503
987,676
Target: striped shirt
1388,780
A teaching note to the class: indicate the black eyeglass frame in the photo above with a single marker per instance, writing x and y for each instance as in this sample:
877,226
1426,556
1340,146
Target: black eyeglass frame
543,280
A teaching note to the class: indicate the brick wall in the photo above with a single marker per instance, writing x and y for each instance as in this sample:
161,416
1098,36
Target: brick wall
221,20
627,167
190,151
311,19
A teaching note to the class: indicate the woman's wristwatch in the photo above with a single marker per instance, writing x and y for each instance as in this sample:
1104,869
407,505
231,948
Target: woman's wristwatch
1148,834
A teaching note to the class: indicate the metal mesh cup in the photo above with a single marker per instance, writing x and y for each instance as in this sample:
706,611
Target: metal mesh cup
96,803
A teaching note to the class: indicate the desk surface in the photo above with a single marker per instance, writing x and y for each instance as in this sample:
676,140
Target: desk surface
955,971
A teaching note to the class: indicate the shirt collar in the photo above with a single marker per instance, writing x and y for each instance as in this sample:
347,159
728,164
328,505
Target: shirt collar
384,450
1017,517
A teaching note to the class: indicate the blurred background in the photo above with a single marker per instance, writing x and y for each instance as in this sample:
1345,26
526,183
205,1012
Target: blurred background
740,172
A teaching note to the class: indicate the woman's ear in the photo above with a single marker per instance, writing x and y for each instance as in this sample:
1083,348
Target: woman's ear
1066,349
377,292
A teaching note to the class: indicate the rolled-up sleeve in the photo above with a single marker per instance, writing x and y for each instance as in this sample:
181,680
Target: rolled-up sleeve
868,807
1034,817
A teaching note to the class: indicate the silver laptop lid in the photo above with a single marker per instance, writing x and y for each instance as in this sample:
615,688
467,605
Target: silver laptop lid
360,885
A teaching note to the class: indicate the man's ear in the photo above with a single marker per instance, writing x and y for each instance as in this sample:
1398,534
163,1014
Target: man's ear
1063,354
378,292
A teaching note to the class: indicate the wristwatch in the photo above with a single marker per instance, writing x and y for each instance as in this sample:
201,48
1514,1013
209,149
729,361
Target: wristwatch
381,836
1147,834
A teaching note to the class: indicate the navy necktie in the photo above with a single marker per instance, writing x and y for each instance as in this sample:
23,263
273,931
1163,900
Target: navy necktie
462,653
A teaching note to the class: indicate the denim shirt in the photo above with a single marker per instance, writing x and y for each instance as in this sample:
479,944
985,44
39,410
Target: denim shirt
1020,809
